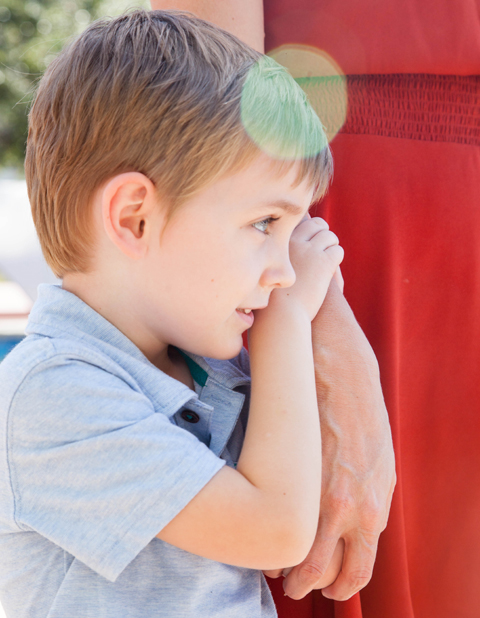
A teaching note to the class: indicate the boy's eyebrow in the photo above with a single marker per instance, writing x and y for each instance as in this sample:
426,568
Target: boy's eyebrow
289,207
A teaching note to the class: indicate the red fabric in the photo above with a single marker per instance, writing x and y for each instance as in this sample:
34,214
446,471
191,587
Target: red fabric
382,36
407,213
413,278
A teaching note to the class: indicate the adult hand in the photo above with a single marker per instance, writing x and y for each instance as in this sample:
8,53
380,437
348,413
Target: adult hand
358,475
330,574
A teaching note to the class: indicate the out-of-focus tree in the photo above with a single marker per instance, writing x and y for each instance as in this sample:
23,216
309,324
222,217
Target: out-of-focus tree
32,33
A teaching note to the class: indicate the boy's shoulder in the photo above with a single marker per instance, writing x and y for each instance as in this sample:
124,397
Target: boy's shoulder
36,359
32,354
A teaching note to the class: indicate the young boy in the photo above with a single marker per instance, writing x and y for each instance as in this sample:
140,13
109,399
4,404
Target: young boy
170,170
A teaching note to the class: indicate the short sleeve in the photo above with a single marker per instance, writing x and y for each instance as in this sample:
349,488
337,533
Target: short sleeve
94,469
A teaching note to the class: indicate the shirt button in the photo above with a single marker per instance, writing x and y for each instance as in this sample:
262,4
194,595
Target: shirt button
190,416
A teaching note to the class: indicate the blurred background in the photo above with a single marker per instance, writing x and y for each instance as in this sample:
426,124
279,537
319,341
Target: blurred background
31,35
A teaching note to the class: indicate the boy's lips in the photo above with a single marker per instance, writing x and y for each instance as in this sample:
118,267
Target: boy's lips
248,318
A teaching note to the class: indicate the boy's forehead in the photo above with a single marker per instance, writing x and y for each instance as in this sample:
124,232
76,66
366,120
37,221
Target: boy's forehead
287,206
256,190
262,185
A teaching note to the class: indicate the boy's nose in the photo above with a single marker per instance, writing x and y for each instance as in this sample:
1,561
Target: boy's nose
279,275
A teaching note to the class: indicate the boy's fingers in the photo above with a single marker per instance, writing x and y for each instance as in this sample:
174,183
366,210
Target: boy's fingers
319,223
312,224
336,253
321,233
305,218
357,568
330,238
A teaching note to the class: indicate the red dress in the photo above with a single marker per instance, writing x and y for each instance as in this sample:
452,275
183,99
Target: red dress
405,203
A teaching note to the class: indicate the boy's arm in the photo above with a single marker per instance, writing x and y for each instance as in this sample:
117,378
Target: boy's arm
266,511
264,514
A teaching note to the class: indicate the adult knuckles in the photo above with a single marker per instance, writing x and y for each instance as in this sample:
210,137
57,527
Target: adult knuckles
370,515
311,571
358,579
349,583
373,517
341,506
375,511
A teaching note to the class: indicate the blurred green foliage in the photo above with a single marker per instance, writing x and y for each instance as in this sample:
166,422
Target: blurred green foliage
31,34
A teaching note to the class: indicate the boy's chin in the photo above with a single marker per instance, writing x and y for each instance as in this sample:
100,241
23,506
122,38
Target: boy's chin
224,351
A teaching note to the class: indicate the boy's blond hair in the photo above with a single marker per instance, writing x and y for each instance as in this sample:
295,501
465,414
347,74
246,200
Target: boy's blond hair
165,94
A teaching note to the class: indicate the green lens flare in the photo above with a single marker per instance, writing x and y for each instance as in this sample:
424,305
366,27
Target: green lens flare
277,115
322,80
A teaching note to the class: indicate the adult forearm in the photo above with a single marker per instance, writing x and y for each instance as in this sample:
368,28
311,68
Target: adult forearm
340,349
349,393
243,18
358,465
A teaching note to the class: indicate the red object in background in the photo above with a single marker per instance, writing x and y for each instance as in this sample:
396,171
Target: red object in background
405,203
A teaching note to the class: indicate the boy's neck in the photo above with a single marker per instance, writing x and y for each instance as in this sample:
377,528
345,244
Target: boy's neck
114,309
181,371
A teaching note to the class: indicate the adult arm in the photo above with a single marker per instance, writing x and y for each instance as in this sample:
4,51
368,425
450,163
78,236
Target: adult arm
358,463
243,18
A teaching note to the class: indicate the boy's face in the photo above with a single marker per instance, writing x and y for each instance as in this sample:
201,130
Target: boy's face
219,254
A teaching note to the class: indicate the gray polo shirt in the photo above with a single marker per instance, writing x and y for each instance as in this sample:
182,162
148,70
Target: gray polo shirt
99,450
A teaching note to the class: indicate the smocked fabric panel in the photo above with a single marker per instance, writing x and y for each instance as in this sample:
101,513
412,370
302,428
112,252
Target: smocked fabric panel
438,108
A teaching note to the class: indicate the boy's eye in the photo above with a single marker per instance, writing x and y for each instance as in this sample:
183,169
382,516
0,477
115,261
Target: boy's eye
264,223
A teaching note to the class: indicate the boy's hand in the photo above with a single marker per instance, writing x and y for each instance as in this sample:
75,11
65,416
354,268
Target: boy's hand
315,256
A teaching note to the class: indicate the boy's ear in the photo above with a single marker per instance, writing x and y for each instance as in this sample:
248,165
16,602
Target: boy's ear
127,202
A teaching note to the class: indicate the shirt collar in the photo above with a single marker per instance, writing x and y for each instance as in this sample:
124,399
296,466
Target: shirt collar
57,312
